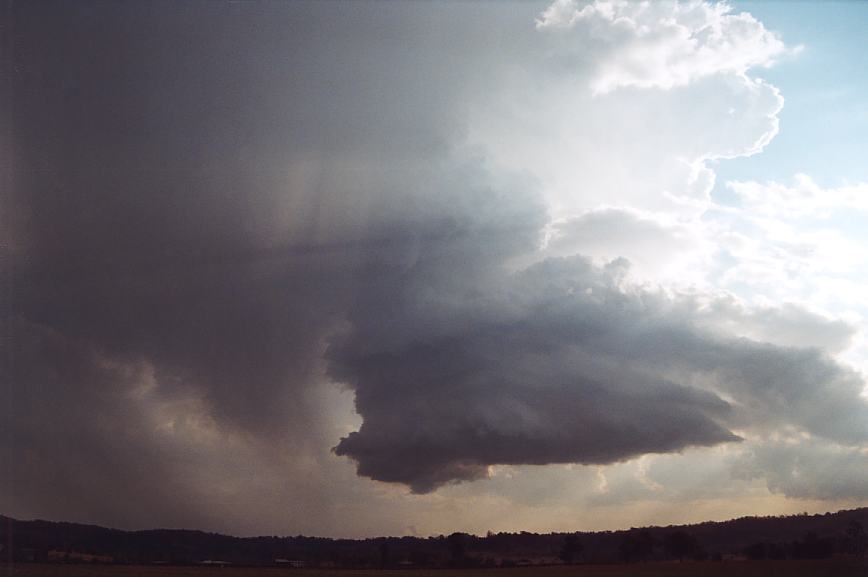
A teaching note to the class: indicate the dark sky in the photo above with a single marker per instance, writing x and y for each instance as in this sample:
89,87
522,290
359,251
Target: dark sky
221,215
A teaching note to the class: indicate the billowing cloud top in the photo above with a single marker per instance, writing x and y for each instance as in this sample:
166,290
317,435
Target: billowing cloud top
664,44
220,211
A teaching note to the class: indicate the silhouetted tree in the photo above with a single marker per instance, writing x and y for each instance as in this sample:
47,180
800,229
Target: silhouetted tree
813,547
857,537
681,544
636,545
571,549
775,551
420,558
457,547
755,551
384,554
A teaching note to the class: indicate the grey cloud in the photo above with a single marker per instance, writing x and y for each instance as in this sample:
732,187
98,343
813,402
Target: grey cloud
207,189
772,386
695,475
207,199
788,325
616,230
529,381
94,438
564,362
79,445
608,233
808,469
651,245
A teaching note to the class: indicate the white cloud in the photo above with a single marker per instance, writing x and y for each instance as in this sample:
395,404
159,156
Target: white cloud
658,247
648,150
664,44
804,198
799,243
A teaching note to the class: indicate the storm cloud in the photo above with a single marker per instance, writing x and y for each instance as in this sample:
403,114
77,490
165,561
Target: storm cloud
563,362
220,209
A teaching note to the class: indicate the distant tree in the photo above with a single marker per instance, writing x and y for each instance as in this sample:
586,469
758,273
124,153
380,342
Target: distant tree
681,544
420,558
457,547
813,547
636,545
385,560
775,551
857,537
755,551
570,549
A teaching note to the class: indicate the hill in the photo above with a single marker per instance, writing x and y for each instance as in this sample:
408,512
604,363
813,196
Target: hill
800,536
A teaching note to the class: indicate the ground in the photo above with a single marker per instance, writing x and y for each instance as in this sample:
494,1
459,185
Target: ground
826,568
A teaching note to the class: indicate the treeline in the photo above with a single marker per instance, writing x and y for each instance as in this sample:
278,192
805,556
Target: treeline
853,541
799,537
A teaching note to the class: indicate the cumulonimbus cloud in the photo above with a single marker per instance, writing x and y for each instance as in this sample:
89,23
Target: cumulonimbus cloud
235,219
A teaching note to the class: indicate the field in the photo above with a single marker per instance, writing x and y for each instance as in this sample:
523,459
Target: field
826,568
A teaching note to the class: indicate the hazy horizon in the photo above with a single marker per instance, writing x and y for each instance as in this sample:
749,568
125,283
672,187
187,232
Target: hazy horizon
799,515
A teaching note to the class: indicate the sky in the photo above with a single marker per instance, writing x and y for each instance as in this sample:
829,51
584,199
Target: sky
373,268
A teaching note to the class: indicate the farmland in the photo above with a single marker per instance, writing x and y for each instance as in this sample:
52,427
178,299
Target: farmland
839,567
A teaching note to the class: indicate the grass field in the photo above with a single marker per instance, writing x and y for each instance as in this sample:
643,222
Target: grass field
826,568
